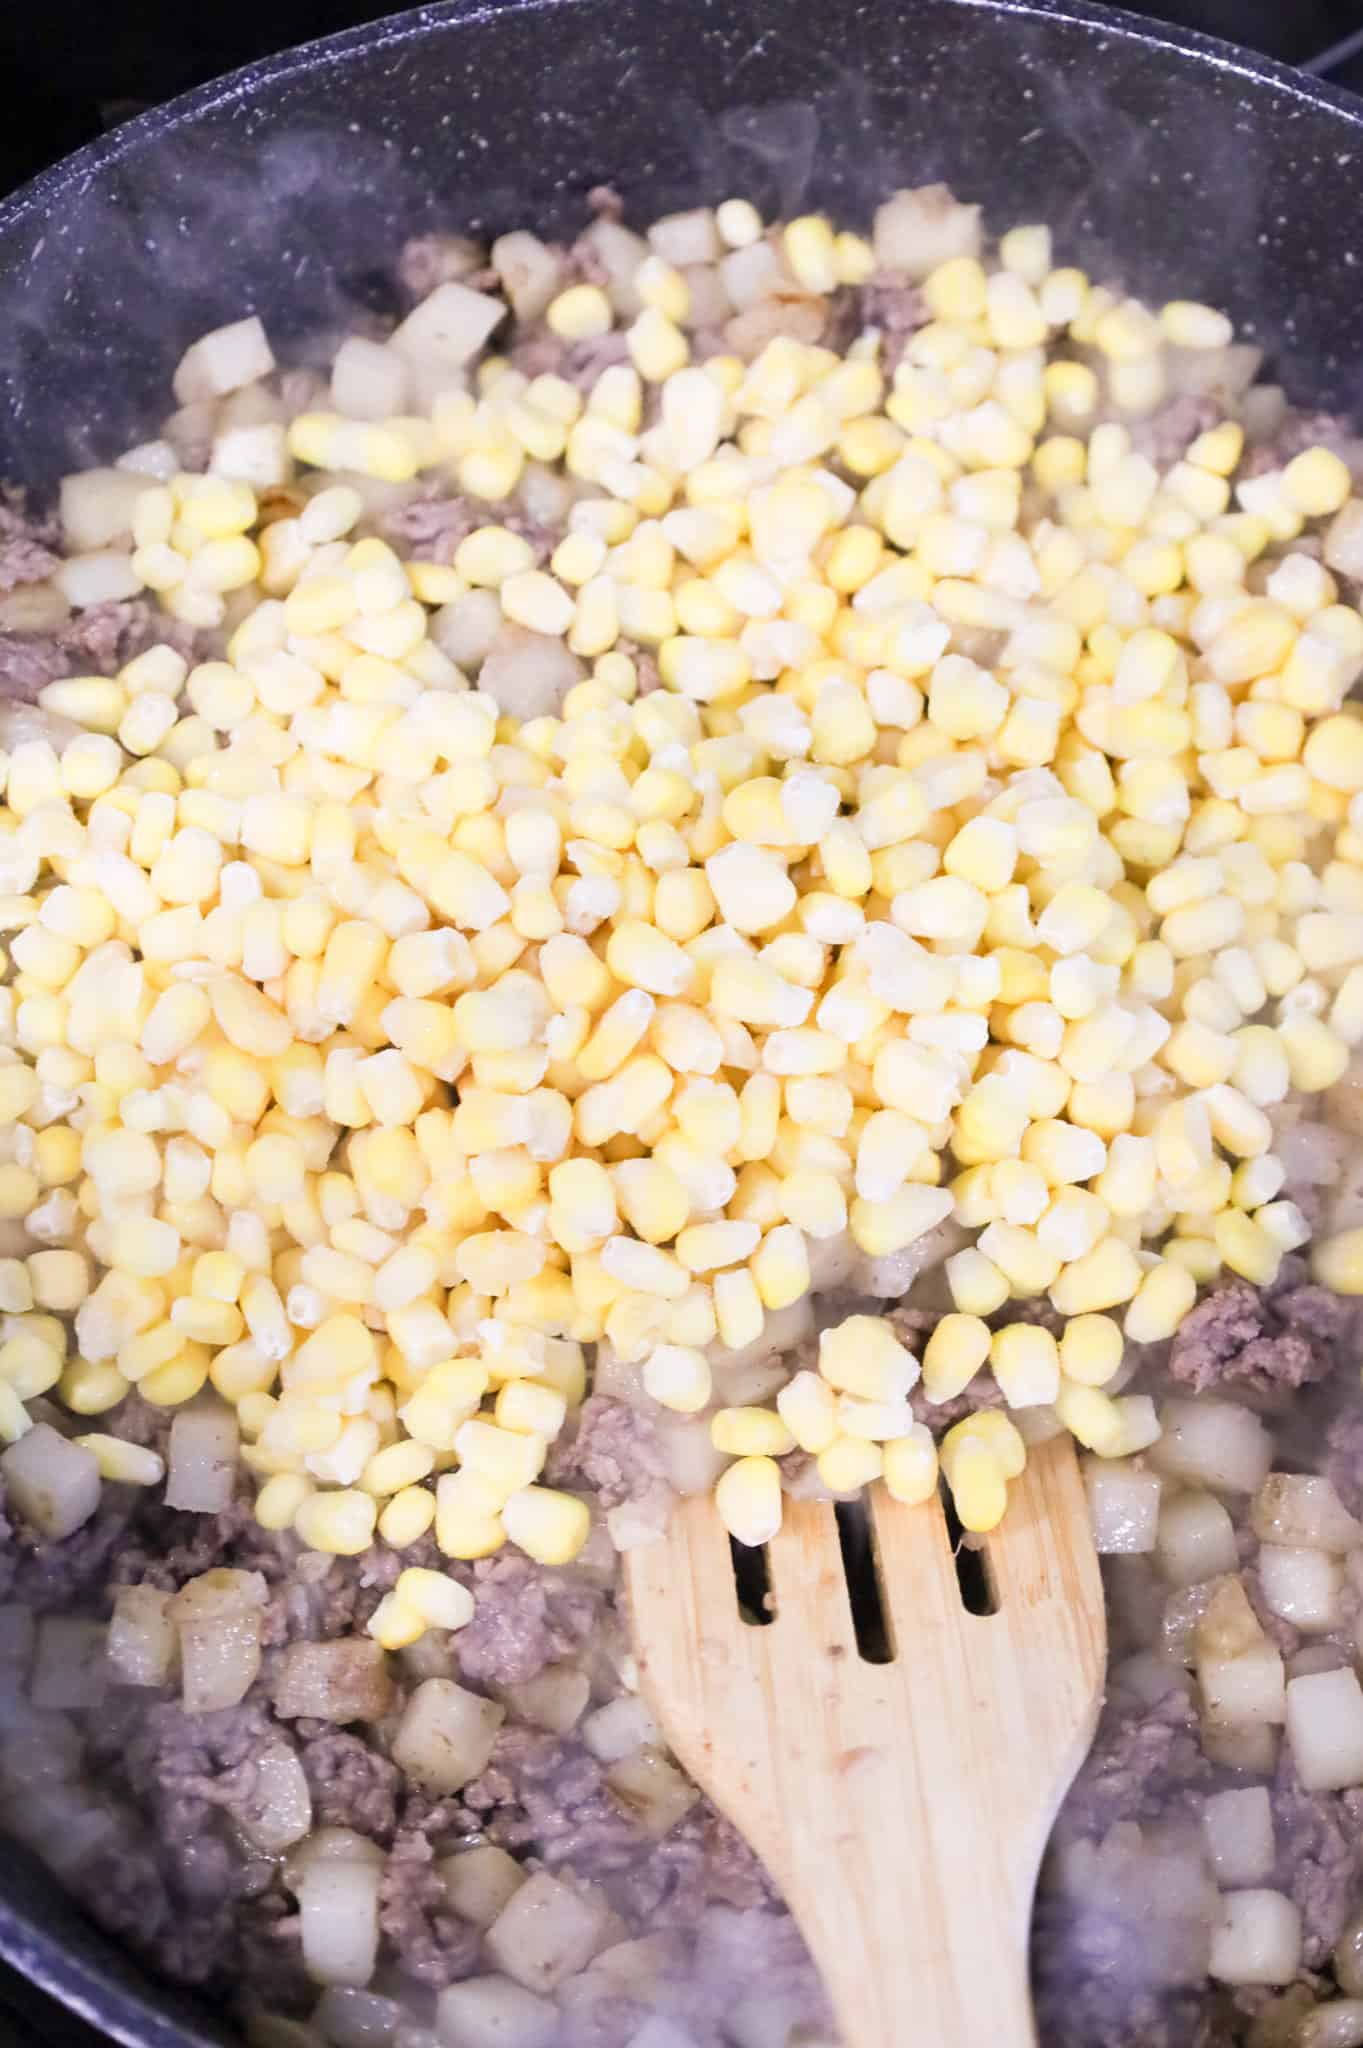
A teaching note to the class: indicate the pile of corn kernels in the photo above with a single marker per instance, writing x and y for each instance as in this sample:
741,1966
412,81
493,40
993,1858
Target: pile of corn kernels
374,1051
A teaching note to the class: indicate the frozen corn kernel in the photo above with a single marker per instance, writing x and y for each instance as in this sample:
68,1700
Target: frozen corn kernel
339,1522
979,1490
678,1377
954,1353
748,1498
750,1433
1025,1361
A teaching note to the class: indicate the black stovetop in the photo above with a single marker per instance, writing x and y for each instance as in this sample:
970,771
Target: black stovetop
74,70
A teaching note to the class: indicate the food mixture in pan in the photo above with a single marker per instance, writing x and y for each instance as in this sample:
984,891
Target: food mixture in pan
722,859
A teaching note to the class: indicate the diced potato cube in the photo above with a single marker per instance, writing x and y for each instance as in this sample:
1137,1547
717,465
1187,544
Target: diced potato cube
1212,1443
1196,1539
1247,1688
97,507
345,1680
446,1734
223,361
1303,1508
1238,1827
619,1728
653,1789
1124,1505
447,329
338,1905
1303,1586
143,1643
494,2012
1257,1940
547,1931
481,1881
1325,1729
53,1484
555,1698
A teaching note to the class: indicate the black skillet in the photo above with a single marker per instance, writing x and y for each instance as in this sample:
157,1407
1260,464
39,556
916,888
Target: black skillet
1163,159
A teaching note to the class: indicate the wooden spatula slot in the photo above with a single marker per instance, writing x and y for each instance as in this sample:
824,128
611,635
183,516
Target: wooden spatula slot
898,1780
979,1594
861,1567
752,1584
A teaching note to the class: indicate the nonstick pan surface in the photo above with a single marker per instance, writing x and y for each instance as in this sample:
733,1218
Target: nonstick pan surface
1162,159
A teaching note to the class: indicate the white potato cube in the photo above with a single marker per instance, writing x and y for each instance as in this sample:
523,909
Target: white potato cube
143,1643
661,2033
257,455
357,2019
494,2012
1303,1586
218,1616
1302,1508
619,1728
97,506
53,1483
682,238
369,380
547,1931
1212,1443
223,361
105,577
651,1787
1249,1747
1343,550
481,1881
446,1734
530,272
915,231
201,1457
1238,1827
1124,1506
279,1812
1195,1540
69,1668
556,1698
338,1904
447,329
1257,1939
1248,1688
1325,1729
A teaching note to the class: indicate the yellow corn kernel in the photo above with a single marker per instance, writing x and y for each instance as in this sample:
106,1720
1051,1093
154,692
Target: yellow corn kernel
954,1353
126,1464
910,1466
406,1518
979,1490
394,1625
1160,1303
340,1523
750,1433
1246,1247
1025,1362
280,1498
1092,1416
748,1497
1107,1275
440,1601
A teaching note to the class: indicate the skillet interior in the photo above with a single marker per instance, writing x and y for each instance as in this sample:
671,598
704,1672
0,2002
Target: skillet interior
288,188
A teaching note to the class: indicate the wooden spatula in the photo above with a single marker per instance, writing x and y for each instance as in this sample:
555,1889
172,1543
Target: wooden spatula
902,1806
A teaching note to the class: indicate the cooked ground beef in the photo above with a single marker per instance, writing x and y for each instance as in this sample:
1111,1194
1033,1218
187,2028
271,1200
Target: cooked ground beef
98,642
894,305
1242,1340
613,1451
